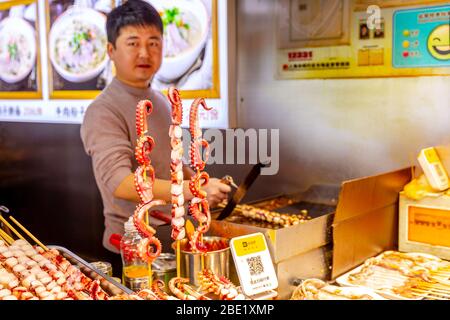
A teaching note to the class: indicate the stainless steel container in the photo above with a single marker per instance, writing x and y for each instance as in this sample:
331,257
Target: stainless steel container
104,267
217,261
165,268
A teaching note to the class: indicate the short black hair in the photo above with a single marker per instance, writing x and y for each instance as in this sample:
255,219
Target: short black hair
132,13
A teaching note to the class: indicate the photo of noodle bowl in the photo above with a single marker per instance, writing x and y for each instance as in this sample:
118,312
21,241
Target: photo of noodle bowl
186,29
17,49
77,44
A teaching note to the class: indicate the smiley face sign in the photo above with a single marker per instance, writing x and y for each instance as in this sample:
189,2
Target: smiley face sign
439,42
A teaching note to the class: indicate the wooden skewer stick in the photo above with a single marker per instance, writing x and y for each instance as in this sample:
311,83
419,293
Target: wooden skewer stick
445,275
178,259
428,296
445,282
433,286
28,233
11,228
6,237
434,282
428,292
434,291
380,276
150,274
4,240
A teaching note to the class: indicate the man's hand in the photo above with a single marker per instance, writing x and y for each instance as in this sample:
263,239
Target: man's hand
217,191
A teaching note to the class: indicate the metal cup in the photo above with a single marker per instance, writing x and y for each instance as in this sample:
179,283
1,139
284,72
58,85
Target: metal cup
216,261
165,268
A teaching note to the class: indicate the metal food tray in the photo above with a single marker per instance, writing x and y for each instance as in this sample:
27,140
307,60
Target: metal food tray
109,285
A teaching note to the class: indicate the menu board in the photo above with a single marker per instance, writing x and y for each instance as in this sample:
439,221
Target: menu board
20,71
190,47
79,66
393,39
67,64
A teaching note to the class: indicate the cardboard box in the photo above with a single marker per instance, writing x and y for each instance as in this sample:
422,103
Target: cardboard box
366,219
424,225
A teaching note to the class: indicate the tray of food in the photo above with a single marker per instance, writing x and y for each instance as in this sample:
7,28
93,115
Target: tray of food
107,283
30,272
402,276
315,289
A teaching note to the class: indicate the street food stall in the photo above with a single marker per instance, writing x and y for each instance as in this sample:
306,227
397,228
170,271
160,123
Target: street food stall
344,247
346,95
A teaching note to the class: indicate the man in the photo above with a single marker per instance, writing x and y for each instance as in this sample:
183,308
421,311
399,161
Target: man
135,45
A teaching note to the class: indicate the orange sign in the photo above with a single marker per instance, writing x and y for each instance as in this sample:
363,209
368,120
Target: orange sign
429,225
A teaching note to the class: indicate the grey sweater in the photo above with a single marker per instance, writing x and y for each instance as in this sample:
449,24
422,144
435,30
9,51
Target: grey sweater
109,136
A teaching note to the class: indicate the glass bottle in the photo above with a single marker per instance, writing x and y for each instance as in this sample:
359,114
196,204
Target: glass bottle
135,273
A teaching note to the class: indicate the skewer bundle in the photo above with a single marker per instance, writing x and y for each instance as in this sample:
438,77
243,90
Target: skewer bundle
275,218
315,289
36,273
407,275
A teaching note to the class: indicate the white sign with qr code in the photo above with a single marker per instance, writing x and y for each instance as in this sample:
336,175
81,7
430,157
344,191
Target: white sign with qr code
253,264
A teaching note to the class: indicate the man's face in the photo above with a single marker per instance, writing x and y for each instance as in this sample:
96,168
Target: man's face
137,55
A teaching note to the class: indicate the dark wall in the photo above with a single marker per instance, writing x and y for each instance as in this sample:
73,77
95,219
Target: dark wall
46,181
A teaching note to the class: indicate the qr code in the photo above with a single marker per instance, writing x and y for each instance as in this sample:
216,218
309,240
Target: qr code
255,265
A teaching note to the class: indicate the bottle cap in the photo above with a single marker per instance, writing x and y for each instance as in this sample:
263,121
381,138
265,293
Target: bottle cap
129,225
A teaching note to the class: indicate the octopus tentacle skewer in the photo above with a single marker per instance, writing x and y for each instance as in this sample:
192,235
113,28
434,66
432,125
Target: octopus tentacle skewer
144,188
149,249
199,207
193,120
177,108
195,153
219,285
181,289
144,147
138,218
197,181
176,165
144,109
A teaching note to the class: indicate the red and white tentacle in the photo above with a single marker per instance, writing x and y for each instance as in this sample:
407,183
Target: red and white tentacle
177,107
199,207
194,127
143,110
149,248
144,187
139,215
176,166
144,147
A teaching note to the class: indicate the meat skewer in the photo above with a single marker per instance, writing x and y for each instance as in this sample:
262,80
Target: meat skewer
150,246
31,273
199,207
176,166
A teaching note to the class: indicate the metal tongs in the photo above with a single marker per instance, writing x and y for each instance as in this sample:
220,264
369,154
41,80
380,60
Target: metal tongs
229,181
241,191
